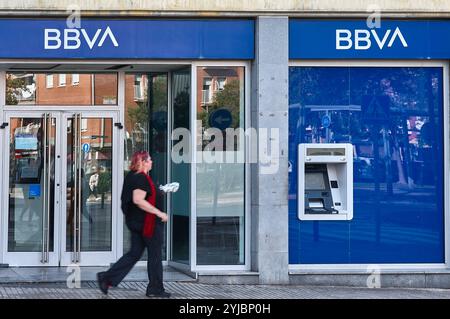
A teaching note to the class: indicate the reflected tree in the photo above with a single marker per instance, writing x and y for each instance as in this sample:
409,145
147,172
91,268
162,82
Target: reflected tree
228,98
15,87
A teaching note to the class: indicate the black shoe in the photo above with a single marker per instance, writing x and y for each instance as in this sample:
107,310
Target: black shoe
161,294
102,283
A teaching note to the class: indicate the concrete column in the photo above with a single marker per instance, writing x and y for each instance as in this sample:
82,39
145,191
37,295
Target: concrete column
270,190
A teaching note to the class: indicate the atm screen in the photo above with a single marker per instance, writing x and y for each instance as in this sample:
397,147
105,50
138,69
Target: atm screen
314,181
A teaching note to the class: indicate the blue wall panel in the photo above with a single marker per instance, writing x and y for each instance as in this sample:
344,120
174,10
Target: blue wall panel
394,118
394,39
136,39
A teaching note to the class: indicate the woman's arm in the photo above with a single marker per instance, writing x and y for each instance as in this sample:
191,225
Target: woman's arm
139,201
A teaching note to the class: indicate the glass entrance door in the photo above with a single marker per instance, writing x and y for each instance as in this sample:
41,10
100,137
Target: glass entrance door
61,189
30,216
89,225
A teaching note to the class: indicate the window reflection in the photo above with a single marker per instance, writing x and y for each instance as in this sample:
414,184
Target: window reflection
393,117
220,186
61,89
95,183
26,186
220,89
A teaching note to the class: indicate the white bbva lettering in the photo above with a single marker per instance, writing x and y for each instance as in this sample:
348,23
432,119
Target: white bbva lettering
362,39
111,36
347,38
72,40
398,33
88,40
377,39
362,36
54,38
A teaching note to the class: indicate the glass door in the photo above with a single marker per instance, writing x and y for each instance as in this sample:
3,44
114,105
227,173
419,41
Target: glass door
146,118
61,193
180,202
89,213
29,216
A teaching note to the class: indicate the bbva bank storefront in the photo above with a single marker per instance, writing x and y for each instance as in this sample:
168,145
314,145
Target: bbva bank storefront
363,152
76,103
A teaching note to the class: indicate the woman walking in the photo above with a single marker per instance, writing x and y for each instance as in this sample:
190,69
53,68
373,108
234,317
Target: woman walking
145,223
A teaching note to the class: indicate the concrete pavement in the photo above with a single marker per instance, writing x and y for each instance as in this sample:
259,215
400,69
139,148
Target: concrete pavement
194,290
58,283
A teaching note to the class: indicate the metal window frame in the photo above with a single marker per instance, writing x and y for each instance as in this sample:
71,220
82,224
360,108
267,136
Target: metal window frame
357,268
2,145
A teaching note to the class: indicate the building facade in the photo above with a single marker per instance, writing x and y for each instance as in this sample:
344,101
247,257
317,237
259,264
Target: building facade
224,96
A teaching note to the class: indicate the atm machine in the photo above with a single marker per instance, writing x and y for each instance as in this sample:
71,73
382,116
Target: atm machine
325,181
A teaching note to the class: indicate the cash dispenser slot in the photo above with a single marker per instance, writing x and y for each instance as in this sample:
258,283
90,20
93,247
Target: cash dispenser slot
319,199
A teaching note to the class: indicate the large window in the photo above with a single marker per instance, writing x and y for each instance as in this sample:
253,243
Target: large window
220,181
39,89
394,118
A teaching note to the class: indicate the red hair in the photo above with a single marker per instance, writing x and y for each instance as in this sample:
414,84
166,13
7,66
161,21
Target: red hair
137,158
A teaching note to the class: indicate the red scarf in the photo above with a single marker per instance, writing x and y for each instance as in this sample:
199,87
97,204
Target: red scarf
149,222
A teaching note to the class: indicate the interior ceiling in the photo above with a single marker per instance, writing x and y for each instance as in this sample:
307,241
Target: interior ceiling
88,67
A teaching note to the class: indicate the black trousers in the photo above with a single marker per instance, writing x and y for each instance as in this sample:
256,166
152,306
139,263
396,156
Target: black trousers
154,263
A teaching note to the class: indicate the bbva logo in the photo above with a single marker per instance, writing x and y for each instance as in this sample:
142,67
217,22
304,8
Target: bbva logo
72,39
362,39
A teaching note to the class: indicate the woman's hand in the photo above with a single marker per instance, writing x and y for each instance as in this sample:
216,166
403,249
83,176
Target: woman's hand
163,217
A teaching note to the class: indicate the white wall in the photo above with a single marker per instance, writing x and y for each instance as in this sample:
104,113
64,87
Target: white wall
191,7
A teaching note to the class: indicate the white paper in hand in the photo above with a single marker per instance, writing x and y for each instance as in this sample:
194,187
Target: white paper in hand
170,188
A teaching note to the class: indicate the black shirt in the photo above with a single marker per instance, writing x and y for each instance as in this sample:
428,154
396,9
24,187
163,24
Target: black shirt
134,216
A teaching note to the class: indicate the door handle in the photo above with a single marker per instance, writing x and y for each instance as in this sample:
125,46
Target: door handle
80,207
49,185
75,186
77,176
44,190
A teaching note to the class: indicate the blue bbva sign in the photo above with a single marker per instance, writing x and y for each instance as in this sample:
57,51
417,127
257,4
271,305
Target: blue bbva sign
127,39
354,39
